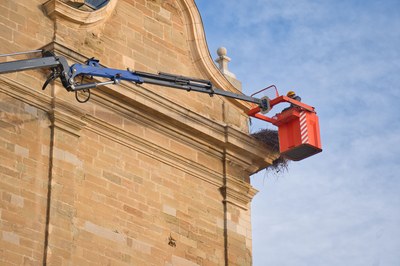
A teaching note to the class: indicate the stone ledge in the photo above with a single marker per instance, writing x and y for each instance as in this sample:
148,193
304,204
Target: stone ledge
24,93
67,122
237,192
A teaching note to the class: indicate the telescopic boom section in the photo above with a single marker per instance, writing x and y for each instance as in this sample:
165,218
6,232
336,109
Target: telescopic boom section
191,84
28,64
57,64
93,68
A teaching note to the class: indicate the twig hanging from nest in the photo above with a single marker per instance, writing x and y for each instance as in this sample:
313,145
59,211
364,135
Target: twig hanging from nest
270,138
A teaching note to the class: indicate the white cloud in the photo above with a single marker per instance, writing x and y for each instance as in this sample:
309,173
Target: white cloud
342,206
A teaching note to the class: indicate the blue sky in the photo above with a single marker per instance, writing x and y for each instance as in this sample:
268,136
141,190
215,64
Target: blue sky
342,206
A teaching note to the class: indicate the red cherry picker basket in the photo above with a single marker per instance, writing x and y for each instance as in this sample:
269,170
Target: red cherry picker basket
298,127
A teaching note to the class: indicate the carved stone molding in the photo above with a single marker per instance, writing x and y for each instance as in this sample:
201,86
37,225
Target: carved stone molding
24,93
66,117
238,192
56,9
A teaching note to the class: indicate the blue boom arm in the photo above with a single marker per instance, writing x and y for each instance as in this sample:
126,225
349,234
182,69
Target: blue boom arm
93,68
73,77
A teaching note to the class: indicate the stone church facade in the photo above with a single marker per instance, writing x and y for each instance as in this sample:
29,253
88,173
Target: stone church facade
139,175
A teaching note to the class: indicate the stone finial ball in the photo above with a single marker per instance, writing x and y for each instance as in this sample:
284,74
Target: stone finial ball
221,51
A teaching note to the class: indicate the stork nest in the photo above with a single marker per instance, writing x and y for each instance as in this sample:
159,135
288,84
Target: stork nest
270,138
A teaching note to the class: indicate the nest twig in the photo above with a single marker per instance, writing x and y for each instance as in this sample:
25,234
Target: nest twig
270,138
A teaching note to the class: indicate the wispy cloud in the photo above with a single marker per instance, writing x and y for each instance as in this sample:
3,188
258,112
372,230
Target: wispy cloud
341,207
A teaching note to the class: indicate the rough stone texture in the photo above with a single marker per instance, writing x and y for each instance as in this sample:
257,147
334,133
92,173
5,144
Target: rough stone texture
112,181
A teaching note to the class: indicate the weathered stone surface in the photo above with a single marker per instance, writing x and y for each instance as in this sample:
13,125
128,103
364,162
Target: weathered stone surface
114,180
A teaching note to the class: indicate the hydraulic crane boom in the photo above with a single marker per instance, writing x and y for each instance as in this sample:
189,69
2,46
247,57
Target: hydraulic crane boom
92,68
303,122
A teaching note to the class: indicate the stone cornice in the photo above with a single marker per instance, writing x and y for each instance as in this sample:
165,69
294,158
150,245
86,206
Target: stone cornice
67,117
238,192
24,93
179,127
249,150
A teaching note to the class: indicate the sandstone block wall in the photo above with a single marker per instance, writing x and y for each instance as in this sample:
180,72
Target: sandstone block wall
136,176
